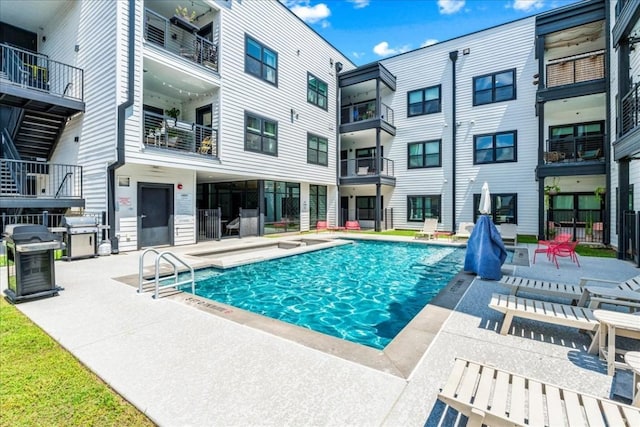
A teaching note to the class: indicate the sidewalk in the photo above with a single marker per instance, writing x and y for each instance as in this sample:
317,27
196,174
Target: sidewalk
182,366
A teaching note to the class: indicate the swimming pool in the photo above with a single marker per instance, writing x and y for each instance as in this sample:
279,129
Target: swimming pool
364,292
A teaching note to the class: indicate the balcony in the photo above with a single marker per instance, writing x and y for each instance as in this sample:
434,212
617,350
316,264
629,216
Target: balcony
162,32
40,180
366,167
577,149
365,111
575,69
630,103
167,133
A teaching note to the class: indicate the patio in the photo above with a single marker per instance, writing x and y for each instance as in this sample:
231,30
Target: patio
184,366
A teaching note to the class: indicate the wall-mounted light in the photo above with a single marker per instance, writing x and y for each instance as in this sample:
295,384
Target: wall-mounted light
351,196
294,114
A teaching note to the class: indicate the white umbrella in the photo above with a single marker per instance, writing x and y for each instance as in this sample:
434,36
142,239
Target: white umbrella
485,200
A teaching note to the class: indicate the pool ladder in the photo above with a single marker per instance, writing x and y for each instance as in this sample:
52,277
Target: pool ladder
170,258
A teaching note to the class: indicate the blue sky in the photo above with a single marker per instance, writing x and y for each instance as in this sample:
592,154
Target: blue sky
368,30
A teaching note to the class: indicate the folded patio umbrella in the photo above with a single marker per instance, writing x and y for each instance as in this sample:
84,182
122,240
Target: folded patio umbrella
485,250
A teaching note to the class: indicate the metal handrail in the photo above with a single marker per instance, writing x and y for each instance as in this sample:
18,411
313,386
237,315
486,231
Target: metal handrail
171,258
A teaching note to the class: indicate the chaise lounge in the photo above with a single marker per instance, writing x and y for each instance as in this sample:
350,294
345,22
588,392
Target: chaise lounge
428,229
495,397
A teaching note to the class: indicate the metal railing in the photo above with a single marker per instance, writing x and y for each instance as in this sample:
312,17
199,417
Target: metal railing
366,111
168,133
45,218
19,178
629,244
630,111
160,31
175,282
36,71
209,224
575,149
366,166
575,69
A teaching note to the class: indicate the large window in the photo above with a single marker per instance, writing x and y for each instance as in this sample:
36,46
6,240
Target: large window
261,135
424,154
424,101
365,208
504,208
495,148
281,206
421,207
317,148
317,204
261,61
316,91
495,87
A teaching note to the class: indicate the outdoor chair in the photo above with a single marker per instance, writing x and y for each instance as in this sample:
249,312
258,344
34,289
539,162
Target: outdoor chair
509,233
205,146
545,246
352,225
566,249
491,396
233,225
428,229
321,226
464,230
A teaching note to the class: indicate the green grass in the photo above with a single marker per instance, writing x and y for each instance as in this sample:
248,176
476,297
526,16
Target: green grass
41,384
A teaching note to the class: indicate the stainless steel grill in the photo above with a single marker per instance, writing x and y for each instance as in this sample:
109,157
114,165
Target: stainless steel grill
29,260
81,236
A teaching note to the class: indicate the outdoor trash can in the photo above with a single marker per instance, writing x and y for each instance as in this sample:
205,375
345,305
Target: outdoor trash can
30,262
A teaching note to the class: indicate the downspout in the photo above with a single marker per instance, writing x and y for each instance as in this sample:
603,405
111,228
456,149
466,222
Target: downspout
453,56
339,219
122,108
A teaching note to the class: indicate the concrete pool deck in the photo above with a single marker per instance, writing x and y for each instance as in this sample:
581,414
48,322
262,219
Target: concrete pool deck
183,366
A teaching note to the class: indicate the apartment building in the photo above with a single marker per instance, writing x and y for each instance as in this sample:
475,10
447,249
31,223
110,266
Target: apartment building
166,118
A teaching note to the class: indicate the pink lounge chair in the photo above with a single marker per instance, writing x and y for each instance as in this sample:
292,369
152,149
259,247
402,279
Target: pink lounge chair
352,225
321,226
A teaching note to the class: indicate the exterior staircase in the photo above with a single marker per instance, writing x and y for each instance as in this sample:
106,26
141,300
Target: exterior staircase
37,134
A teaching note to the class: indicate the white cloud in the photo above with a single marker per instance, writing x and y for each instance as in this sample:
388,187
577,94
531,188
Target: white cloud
383,49
527,5
429,42
359,4
448,7
357,55
308,13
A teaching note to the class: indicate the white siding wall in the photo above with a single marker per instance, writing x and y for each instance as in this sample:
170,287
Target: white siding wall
510,46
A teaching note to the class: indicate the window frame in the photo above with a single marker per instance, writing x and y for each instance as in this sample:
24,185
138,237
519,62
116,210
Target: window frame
309,149
493,87
317,93
263,64
424,154
370,209
423,197
424,102
262,119
494,210
494,148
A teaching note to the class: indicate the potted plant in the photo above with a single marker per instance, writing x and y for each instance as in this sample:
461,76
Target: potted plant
551,190
588,229
174,112
184,20
600,192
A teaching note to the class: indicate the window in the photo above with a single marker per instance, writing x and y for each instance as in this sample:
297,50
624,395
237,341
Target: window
366,158
424,154
424,101
261,61
504,208
495,148
316,91
494,87
365,208
317,204
421,207
261,135
317,148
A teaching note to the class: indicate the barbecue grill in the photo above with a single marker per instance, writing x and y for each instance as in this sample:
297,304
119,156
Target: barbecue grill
81,236
29,260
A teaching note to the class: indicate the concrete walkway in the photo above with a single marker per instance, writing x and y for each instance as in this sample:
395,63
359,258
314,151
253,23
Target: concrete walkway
185,367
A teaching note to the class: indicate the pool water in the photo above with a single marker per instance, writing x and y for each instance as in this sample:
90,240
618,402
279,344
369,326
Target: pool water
364,292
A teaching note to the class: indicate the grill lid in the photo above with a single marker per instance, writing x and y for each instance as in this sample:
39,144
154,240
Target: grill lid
79,221
20,233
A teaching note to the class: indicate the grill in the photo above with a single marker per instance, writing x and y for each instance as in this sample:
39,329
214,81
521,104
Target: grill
81,236
29,260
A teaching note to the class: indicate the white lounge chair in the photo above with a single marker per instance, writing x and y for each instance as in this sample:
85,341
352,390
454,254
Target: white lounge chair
491,396
509,233
428,229
625,293
464,230
233,225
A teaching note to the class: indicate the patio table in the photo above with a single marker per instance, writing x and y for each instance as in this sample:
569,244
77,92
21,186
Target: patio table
612,323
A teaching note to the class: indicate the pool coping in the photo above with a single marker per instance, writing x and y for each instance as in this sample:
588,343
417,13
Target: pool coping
398,358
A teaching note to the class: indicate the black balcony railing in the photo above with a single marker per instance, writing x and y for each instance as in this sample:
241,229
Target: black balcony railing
576,149
366,111
575,69
160,31
36,71
366,166
19,178
168,133
630,118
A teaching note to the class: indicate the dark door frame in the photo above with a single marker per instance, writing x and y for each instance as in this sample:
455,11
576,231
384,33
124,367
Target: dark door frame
169,187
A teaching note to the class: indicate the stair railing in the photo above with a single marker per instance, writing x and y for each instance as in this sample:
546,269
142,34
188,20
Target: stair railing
64,180
174,261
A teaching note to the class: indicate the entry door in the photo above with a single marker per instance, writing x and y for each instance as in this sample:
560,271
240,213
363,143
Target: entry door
155,214
344,210
204,117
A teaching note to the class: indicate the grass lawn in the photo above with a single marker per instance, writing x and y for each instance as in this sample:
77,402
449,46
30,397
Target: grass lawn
41,384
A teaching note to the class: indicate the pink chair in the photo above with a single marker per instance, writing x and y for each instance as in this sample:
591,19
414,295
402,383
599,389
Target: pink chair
546,246
321,226
567,249
352,225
